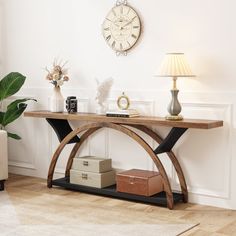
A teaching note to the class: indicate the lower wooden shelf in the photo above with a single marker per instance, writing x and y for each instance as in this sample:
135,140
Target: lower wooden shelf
157,199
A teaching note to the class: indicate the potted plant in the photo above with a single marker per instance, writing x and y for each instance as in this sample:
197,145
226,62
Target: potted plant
9,85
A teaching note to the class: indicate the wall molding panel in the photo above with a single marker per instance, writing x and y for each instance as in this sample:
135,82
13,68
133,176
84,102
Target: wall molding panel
145,107
26,131
224,112
53,140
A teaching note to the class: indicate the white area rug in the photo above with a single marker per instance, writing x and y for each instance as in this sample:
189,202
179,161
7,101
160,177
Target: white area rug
94,230
10,225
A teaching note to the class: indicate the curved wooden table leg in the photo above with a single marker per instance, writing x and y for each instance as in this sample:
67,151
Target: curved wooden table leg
130,133
76,148
61,147
172,157
180,175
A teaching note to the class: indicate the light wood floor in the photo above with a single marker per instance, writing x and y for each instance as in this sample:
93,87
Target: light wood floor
21,189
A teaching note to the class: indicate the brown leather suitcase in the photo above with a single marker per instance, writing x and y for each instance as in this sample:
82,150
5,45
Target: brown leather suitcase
139,182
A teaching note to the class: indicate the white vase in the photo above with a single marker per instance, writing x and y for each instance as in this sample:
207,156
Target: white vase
57,100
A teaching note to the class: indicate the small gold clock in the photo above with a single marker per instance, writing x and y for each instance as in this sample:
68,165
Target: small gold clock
121,28
123,102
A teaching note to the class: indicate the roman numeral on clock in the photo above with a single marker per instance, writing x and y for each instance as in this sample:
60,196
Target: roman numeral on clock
114,13
128,11
113,44
108,37
121,10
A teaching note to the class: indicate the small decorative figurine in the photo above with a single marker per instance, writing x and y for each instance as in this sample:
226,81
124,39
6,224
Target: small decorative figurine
103,90
71,104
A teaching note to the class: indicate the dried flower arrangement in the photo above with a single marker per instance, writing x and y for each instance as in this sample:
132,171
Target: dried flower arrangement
58,74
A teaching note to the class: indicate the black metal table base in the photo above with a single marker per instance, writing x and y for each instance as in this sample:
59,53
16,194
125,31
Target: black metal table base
158,199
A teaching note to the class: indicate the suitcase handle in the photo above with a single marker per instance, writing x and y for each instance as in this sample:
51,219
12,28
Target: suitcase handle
84,176
85,163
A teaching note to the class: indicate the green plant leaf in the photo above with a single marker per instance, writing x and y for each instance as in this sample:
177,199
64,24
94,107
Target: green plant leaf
13,114
14,136
11,84
16,103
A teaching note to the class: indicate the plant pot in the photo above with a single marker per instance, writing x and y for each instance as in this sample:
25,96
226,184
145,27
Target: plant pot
57,100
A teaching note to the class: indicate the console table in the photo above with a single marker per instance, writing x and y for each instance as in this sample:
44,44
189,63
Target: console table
65,134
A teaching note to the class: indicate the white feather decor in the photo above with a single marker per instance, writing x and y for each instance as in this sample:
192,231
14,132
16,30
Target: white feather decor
103,90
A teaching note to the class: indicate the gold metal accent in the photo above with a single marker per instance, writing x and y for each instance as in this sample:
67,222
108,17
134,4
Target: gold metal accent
174,83
121,99
170,117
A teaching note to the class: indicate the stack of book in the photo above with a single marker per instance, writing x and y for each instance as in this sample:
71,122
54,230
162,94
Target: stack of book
123,113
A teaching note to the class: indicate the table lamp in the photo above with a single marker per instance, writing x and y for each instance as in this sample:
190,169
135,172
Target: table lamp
174,65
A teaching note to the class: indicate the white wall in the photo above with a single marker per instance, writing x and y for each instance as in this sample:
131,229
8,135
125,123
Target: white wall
34,32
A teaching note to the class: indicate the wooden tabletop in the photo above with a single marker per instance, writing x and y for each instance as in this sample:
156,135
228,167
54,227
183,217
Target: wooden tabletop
141,120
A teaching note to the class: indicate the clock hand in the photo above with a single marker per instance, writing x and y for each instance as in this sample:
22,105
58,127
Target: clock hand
129,22
116,25
119,26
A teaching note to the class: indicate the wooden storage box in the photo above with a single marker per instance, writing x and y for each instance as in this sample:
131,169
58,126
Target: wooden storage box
91,179
139,182
92,164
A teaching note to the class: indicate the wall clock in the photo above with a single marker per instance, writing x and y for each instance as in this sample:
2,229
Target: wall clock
121,28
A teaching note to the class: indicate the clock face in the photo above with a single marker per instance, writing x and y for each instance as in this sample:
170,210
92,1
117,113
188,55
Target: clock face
121,28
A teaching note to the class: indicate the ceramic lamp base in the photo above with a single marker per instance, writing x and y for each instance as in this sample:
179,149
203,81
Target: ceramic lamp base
174,107
170,117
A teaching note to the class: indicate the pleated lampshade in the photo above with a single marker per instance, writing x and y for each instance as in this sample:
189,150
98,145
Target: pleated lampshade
175,65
